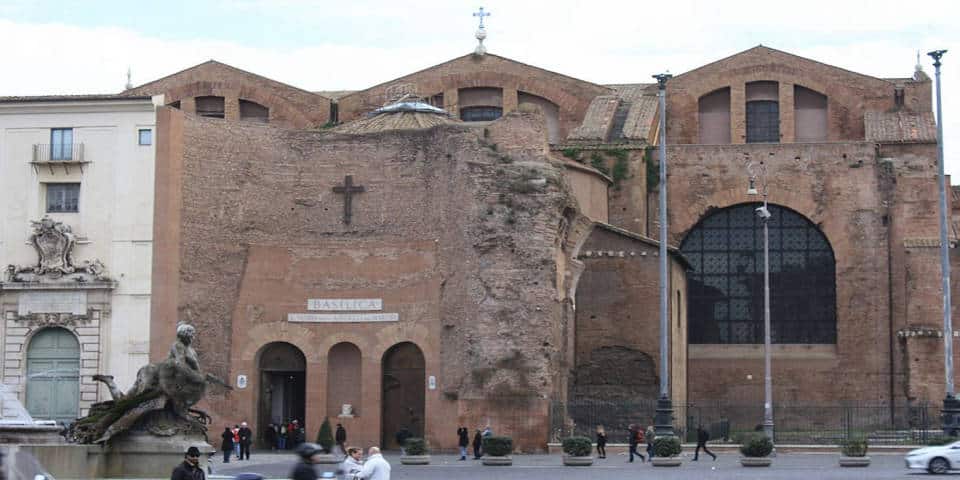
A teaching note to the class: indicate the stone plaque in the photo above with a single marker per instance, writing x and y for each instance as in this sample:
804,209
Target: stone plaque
344,304
52,302
342,317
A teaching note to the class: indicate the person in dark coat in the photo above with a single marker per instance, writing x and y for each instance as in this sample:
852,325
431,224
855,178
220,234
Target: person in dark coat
477,443
402,436
190,468
246,438
601,442
227,445
634,437
341,438
702,437
270,437
304,468
463,440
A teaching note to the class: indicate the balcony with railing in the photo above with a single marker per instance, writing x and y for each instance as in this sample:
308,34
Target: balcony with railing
56,155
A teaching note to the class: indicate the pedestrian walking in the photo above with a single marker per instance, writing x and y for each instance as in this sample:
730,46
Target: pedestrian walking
236,441
634,438
226,446
270,436
402,436
376,467
702,437
341,438
650,436
477,443
601,442
352,465
190,468
282,437
309,454
463,439
246,438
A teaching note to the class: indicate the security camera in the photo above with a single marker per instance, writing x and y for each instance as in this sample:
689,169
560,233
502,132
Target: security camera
763,213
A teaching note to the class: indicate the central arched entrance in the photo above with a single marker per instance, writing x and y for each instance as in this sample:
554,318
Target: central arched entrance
282,385
53,375
403,392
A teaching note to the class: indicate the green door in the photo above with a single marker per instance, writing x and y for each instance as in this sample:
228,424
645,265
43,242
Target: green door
53,376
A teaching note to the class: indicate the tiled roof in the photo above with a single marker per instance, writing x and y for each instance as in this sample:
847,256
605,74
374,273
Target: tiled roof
598,119
394,121
71,98
900,127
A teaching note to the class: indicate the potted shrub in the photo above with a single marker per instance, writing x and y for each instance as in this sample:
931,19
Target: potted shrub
756,449
576,452
417,453
667,450
325,440
497,450
854,452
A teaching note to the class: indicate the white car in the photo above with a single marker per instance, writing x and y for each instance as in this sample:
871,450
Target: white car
939,459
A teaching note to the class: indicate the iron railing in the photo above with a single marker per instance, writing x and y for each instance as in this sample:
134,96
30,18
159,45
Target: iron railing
826,424
69,152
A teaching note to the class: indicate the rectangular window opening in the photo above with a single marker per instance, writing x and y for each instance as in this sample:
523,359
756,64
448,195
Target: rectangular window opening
145,136
61,144
63,197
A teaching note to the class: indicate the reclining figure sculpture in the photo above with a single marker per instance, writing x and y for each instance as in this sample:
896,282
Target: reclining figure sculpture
162,397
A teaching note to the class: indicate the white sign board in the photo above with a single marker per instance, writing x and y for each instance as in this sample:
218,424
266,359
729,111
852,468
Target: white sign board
342,317
432,382
344,304
241,381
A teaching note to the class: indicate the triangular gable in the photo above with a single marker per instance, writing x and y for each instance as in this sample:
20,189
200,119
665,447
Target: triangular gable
205,70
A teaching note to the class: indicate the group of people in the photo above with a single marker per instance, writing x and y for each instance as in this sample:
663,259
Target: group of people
636,436
375,467
236,441
284,435
463,441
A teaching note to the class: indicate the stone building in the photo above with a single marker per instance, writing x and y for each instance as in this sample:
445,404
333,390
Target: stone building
76,241
471,243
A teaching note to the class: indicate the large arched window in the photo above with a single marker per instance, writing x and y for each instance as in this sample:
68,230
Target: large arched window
726,285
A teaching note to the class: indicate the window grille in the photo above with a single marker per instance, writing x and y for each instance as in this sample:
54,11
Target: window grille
763,121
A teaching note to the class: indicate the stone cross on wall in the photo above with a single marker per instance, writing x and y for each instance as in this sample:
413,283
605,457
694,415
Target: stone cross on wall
348,189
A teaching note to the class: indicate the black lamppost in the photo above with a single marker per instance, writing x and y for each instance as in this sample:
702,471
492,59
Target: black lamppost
663,423
951,406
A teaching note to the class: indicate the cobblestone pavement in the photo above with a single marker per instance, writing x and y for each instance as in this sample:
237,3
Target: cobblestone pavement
446,466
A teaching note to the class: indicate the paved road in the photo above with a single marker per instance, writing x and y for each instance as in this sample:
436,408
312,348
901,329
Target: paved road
785,466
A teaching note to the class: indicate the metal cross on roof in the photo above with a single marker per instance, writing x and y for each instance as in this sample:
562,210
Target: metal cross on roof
481,14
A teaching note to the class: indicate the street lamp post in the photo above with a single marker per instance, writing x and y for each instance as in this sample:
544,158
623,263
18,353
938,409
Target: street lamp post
663,423
951,406
764,214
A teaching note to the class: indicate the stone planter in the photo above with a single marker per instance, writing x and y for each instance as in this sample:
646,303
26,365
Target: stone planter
328,458
755,461
572,461
415,459
504,461
854,461
665,461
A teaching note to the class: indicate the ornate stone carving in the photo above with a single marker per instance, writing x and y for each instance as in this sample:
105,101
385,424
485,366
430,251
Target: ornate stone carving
54,242
55,319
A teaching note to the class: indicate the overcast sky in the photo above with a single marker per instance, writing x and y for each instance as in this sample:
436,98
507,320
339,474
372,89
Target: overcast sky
86,46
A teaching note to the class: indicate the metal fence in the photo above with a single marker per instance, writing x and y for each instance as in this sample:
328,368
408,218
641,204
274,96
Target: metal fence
794,424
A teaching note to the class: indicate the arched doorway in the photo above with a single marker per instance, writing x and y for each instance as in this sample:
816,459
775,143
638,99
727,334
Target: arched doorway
282,385
53,375
403,392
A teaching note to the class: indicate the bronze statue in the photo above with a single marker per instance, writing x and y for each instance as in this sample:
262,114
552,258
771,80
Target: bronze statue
160,400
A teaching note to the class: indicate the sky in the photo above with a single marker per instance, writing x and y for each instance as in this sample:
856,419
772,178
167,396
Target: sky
64,47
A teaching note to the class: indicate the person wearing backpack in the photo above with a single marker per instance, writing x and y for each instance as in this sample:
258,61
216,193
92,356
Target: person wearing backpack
702,437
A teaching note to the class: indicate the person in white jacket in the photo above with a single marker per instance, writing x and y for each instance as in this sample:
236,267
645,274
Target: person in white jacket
352,465
376,467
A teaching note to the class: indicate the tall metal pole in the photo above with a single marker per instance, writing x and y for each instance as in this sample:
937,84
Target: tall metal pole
767,375
664,418
950,404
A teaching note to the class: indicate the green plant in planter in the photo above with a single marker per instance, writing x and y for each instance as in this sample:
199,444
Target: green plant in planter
940,440
854,447
577,446
756,445
497,446
416,446
667,446
325,436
